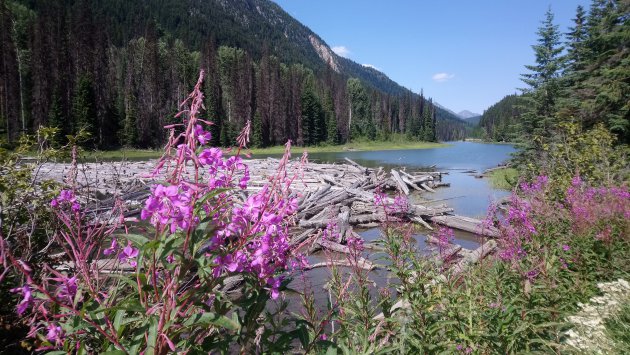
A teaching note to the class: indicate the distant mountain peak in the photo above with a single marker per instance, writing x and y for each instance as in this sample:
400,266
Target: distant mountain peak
467,114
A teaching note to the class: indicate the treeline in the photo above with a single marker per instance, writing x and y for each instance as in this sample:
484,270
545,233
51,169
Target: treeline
579,77
501,121
59,67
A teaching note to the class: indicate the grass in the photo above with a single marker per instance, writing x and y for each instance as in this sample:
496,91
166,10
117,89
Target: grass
126,154
618,329
142,154
353,146
504,178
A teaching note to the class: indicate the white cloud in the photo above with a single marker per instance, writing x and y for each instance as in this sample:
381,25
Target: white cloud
442,77
371,66
341,51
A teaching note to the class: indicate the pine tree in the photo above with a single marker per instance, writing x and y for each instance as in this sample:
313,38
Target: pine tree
543,83
332,132
84,109
576,38
257,131
56,120
130,128
603,95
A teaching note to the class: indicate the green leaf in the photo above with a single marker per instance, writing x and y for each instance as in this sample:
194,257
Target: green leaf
152,338
209,318
303,335
118,319
137,239
113,352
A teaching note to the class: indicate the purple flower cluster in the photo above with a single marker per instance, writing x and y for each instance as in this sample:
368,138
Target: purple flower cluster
516,229
169,205
66,198
535,186
259,227
27,298
400,204
331,232
66,289
591,207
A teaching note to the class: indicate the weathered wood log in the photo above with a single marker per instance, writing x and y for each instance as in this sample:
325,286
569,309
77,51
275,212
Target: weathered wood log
358,166
410,183
299,239
401,184
367,218
466,224
473,257
361,263
422,179
426,187
343,223
421,221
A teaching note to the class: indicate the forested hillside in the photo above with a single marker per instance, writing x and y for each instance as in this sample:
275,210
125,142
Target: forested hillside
118,69
581,77
501,121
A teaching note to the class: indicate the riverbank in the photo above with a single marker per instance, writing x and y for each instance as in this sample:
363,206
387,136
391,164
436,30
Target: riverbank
146,154
503,178
354,146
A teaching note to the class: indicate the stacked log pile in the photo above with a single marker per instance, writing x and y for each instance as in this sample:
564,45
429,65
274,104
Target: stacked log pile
323,191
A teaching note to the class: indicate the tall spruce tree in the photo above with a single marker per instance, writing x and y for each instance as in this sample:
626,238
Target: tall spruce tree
543,90
84,109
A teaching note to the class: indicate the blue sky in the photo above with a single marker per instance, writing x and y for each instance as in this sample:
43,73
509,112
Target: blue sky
465,54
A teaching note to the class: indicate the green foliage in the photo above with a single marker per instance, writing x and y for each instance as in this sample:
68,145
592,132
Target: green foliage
84,109
501,121
618,329
505,178
257,133
25,219
313,118
130,130
590,154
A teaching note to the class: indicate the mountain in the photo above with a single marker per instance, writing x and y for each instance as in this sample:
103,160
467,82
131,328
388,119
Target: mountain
474,120
467,114
119,68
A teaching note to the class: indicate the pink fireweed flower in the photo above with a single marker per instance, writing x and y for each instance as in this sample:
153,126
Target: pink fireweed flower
274,284
112,249
129,254
67,288
66,197
54,334
202,136
331,232
355,244
401,204
212,157
27,298
169,205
